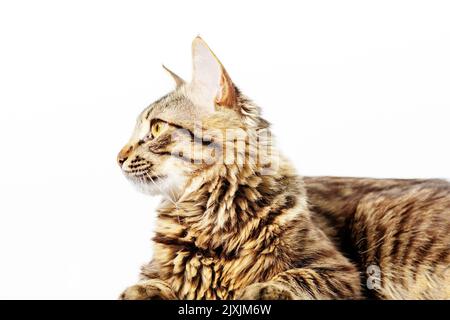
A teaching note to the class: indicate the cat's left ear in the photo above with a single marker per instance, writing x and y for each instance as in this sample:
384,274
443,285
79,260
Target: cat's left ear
178,80
210,81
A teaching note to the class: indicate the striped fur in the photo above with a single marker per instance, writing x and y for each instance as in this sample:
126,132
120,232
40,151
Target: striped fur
252,228
400,226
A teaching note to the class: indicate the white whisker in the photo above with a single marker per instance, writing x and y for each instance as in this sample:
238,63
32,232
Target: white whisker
160,189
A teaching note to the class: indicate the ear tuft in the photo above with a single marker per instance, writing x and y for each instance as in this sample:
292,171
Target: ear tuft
178,80
227,96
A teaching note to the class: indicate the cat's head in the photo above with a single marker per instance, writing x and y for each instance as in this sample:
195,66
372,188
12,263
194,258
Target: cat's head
203,123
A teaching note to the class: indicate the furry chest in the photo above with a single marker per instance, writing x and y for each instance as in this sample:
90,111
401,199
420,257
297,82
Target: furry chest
194,275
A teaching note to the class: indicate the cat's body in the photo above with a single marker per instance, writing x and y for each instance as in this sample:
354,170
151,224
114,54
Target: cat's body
251,228
395,234
396,231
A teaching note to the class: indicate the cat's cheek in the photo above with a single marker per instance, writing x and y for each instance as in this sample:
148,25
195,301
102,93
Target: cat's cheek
173,184
175,173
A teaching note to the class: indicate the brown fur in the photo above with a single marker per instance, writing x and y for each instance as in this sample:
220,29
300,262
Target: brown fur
401,226
254,229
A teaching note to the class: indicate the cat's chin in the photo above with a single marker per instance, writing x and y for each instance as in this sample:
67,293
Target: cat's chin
165,186
148,188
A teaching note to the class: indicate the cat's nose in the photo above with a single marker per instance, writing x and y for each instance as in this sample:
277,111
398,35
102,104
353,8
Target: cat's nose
121,160
124,154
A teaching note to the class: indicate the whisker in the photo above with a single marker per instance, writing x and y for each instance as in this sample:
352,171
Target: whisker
160,189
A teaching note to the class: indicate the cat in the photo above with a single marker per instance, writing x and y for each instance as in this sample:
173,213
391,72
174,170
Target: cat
237,222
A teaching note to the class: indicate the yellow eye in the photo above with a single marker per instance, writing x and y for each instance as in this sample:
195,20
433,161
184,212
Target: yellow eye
157,128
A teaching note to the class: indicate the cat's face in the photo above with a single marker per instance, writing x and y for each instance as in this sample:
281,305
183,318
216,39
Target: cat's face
181,134
152,157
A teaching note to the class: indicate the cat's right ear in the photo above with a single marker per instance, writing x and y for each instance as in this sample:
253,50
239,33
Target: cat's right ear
178,80
211,83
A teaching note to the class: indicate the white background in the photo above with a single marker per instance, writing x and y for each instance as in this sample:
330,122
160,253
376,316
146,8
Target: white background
352,88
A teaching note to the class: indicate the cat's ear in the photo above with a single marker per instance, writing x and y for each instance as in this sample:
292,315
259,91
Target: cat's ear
178,80
210,81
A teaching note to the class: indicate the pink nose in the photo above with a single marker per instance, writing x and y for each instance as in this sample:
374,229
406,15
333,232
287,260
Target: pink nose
124,154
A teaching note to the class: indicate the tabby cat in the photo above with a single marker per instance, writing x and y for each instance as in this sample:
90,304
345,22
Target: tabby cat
237,222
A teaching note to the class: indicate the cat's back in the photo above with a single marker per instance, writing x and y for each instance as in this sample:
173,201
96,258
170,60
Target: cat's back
397,231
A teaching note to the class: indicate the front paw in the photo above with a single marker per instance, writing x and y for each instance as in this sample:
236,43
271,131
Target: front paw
266,291
152,289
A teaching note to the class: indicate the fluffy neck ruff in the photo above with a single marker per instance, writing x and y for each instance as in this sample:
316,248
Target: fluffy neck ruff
228,206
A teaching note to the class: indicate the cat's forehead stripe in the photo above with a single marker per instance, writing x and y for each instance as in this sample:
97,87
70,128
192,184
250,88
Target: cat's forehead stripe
167,101
153,105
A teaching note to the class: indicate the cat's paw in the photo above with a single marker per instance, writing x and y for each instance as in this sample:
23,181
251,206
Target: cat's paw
266,291
152,289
